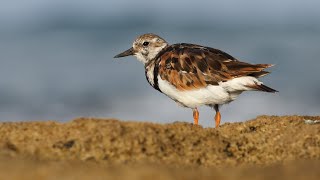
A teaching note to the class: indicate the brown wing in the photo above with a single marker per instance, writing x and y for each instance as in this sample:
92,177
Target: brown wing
189,66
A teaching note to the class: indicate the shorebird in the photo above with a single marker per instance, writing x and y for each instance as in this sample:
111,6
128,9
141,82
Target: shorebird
194,75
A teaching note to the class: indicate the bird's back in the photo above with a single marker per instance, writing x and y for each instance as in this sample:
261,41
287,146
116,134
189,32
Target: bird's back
190,66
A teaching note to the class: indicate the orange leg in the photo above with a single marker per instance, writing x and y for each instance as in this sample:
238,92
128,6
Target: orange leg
195,116
217,116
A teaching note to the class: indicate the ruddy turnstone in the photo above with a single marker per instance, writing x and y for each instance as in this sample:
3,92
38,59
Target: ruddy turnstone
195,75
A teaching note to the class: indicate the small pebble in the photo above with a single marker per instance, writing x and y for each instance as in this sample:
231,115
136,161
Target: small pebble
309,121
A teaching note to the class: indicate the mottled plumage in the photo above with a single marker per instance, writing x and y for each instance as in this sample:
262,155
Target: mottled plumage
189,66
194,75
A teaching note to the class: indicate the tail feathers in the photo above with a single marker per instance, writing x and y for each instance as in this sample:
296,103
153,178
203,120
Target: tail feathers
259,74
258,67
264,66
261,87
245,69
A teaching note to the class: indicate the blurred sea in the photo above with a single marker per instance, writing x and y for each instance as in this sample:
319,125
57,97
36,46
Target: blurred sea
57,57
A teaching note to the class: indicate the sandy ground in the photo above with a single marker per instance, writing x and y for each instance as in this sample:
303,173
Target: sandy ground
87,148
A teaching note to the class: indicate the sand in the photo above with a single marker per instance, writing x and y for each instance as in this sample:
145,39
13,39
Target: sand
282,147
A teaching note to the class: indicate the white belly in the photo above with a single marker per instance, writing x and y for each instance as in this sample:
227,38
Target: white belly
205,96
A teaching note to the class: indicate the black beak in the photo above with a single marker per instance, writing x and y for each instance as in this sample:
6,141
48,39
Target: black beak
128,52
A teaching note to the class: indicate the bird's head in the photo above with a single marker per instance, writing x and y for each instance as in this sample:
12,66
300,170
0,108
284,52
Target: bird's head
145,47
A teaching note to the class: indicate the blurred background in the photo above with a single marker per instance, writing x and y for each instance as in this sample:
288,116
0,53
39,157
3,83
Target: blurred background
57,56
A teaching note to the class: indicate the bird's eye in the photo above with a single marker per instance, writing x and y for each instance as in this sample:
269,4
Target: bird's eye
146,43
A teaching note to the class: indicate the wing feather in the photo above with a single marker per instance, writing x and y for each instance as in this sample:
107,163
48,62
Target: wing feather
189,66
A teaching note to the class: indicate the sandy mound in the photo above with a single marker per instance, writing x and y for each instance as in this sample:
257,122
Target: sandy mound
90,147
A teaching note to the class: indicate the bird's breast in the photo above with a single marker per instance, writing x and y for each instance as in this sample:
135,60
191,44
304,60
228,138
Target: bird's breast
211,94
151,72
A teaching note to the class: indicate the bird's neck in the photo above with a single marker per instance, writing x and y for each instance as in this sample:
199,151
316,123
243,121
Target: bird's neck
151,71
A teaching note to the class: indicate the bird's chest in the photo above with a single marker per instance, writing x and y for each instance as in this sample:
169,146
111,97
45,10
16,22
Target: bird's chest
149,71
152,76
